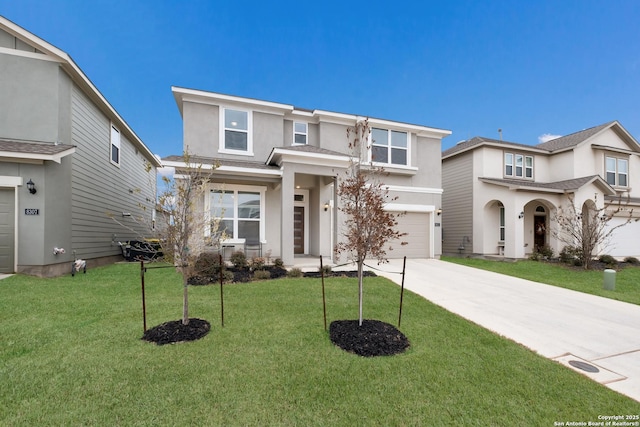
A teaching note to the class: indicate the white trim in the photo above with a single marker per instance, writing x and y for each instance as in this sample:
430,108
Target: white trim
228,169
36,158
222,143
112,143
13,182
311,158
403,189
305,205
27,54
405,207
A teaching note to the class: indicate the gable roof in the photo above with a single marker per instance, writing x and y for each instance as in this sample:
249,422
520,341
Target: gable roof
571,140
478,141
45,50
553,146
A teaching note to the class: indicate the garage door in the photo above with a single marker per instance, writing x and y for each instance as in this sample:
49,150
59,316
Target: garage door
7,229
416,225
625,241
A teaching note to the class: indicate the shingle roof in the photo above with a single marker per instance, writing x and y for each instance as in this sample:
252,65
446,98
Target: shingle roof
478,140
13,146
566,185
221,162
573,139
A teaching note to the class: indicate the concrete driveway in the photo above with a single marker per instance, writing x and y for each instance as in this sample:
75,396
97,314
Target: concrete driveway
570,327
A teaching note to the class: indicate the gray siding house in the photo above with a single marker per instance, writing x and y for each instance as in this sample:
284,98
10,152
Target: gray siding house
279,167
68,162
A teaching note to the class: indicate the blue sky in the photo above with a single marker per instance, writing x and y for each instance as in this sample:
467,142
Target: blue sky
529,68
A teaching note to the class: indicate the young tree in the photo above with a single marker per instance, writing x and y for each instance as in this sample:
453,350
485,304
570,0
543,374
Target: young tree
185,222
368,226
588,229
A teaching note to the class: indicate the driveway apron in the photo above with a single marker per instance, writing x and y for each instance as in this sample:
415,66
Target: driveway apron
579,330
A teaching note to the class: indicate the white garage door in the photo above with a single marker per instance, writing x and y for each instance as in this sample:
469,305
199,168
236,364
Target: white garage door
418,237
7,227
625,241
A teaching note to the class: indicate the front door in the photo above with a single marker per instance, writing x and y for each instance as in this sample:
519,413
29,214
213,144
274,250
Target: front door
539,231
298,229
7,230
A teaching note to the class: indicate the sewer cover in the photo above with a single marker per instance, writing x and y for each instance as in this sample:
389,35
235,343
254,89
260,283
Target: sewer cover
584,366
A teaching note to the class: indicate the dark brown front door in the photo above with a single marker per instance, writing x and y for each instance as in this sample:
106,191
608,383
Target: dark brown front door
298,230
539,231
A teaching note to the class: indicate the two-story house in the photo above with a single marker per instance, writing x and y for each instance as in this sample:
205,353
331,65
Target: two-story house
67,160
503,198
279,167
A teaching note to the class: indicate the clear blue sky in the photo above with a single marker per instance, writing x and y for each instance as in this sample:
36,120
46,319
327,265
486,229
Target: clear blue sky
528,67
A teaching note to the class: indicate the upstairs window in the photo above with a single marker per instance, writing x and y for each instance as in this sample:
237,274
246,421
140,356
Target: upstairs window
390,147
617,171
300,132
115,145
236,135
518,166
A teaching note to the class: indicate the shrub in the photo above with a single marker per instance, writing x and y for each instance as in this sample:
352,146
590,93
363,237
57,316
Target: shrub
632,260
278,262
261,275
571,254
535,256
546,251
257,263
227,276
238,259
207,264
608,259
294,272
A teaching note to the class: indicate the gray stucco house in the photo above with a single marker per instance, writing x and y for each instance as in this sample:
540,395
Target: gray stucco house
60,134
279,167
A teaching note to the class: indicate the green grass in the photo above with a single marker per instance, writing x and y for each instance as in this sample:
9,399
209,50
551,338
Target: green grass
71,354
587,281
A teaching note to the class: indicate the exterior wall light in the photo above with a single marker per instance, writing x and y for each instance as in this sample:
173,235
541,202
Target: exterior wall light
327,205
31,187
521,215
439,212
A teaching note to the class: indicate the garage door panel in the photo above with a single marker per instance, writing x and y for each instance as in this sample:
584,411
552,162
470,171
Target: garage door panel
7,230
625,241
416,225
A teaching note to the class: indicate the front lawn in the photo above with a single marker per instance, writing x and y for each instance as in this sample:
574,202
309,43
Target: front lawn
562,275
71,354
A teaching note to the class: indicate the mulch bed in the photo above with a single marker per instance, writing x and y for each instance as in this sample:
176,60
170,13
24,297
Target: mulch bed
243,275
175,332
373,338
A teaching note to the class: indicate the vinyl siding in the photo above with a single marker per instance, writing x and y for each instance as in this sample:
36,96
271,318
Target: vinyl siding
457,203
100,188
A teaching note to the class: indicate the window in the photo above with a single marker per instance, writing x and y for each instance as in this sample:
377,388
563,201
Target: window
389,146
115,146
299,133
239,211
236,132
617,171
508,164
518,165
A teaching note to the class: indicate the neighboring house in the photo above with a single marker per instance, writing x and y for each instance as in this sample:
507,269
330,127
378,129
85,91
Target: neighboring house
58,132
279,167
501,197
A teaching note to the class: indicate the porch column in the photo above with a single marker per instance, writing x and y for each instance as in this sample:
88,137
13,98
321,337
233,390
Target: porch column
286,235
514,242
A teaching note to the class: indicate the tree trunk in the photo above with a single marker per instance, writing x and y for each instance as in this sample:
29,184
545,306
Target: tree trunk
360,263
185,300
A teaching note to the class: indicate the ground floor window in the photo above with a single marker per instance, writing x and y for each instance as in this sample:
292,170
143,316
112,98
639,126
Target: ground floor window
240,211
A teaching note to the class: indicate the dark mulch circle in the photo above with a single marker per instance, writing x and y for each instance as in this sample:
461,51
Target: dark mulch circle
373,338
174,331
240,275
352,273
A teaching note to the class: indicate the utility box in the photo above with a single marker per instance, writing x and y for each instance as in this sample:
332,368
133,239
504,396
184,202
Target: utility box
610,280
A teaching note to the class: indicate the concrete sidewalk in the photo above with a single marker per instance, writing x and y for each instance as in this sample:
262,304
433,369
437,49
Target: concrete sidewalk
570,327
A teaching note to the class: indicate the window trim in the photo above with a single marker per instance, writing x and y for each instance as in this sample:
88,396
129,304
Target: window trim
113,143
616,172
389,147
305,133
222,140
235,189
524,169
